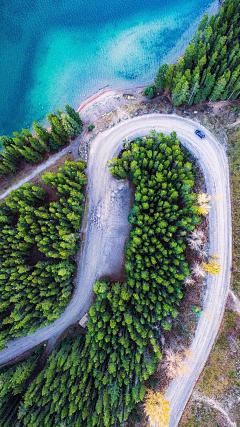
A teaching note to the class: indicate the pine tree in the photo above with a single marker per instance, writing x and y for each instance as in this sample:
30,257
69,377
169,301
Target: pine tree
195,84
189,57
235,91
181,92
74,115
30,155
70,127
6,141
160,78
38,145
9,161
57,129
169,77
41,132
218,88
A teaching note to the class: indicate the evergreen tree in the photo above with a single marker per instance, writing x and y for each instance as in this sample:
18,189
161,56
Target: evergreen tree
35,293
181,91
74,116
195,84
161,76
6,141
13,380
41,133
212,57
57,128
218,88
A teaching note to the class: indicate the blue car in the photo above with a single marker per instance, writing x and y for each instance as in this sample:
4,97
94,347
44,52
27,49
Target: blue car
200,133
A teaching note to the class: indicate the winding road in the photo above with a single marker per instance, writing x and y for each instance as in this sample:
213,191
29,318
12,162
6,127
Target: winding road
107,230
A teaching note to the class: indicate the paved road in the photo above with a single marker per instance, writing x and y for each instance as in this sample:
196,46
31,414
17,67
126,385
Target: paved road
107,230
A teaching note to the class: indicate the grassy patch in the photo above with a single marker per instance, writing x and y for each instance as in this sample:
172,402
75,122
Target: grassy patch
216,377
201,415
234,162
220,378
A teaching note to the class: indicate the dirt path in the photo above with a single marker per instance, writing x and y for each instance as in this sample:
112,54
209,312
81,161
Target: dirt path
215,405
236,301
37,170
107,230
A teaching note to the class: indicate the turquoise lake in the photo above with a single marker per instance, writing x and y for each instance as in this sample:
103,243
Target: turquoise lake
54,52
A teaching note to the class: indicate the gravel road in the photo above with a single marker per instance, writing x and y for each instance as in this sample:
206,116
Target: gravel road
107,230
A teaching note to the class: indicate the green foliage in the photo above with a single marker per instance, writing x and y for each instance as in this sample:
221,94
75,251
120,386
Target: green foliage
196,310
30,149
97,380
163,213
35,291
149,91
13,381
210,67
90,127
161,77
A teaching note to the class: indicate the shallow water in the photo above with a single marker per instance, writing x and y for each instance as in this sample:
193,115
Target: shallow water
54,52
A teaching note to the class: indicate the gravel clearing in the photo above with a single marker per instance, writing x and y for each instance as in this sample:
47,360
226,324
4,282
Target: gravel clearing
107,230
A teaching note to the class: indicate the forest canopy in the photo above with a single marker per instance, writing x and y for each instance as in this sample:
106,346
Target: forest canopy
30,148
13,382
97,379
210,67
38,238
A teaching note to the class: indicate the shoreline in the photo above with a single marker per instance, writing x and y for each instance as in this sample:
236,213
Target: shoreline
211,10
106,93
103,92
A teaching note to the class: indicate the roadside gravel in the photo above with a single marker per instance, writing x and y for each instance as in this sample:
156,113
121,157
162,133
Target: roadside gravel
107,231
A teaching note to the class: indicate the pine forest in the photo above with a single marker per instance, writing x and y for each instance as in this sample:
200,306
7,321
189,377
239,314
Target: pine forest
30,148
38,239
97,379
210,67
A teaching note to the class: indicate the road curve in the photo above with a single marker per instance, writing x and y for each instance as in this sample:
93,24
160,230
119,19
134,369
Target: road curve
107,230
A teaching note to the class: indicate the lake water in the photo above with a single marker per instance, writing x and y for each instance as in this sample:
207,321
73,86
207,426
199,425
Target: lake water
54,52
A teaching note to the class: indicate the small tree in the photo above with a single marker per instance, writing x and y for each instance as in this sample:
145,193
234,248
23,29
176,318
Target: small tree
150,91
160,79
196,310
204,207
198,271
174,363
156,409
212,267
